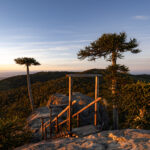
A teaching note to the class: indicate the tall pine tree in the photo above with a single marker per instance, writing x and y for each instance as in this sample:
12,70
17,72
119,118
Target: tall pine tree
111,47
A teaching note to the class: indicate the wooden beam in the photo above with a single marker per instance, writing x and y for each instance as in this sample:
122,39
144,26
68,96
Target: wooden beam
50,120
77,113
45,137
63,111
98,99
59,115
96,96
83,75
70,105
63,122
42,126
57,124
78,120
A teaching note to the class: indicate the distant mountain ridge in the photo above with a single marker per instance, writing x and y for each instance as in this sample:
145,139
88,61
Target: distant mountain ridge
2,78
20,80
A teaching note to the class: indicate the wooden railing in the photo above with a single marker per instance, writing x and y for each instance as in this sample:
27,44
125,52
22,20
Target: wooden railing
81,110
49,123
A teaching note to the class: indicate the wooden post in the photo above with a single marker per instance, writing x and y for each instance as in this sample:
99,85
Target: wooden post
67,118
45,133
42,123
50,126
50,130
96,96
70,105
57,124
78,120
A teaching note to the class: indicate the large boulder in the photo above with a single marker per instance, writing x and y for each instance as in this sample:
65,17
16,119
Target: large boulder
58,103
87,116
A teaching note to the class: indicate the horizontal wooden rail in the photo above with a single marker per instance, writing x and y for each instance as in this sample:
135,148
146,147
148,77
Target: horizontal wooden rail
62,112
83,75
46,124
64,121
95,101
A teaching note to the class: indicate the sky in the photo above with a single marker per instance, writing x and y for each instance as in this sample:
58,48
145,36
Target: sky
53,32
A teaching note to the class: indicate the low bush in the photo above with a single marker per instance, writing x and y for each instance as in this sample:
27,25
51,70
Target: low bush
134,105
13,133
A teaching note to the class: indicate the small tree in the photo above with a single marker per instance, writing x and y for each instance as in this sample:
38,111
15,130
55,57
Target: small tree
111,47
28,62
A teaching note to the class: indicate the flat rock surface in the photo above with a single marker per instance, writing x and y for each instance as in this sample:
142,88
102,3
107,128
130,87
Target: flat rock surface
125,139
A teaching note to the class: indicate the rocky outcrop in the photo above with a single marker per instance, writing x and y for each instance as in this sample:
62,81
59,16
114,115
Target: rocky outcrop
86,136
83,100
86,117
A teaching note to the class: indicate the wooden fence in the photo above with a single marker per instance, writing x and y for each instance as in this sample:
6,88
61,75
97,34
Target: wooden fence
68,109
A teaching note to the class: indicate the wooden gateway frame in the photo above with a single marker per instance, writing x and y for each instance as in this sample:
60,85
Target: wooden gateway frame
70,96
68,109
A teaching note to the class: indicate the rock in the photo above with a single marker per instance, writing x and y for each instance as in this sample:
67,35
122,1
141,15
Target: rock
111,140
57,98
87,116
34,121
85,130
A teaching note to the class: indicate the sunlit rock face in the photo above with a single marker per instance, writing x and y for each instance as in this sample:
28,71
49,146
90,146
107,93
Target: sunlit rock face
87,117
106,140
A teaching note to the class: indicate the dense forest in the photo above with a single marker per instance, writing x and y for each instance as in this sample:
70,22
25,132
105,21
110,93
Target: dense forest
133,99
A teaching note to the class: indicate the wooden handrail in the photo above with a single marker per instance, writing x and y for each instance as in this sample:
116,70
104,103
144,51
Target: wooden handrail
46,124
77,113
64,121
95,101
62,112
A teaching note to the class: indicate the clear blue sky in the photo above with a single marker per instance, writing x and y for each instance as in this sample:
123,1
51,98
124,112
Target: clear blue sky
53,31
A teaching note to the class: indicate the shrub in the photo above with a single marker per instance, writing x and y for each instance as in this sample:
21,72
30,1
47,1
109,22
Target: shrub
135,105
13,133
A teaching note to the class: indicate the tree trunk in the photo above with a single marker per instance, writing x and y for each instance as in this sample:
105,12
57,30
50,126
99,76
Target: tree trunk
114,82
29,89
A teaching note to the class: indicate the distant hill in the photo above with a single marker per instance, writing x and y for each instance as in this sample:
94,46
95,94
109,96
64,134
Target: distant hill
20,80
142,77
1,78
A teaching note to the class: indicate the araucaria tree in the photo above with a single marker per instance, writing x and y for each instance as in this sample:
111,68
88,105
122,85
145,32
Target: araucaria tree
28,62
111,47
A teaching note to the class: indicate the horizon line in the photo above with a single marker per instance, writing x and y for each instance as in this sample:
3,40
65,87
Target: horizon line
7,74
